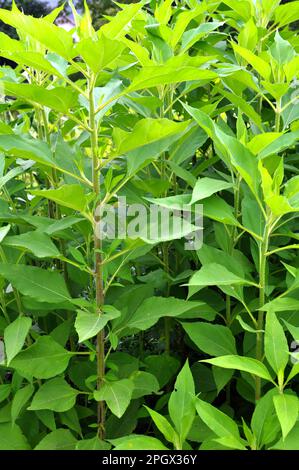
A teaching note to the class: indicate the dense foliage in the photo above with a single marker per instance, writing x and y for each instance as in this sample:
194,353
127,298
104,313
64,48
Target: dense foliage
138,343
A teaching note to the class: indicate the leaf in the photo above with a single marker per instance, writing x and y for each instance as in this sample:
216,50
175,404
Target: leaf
163,425
25,147
137,442
37,283
286,407
117,395
92,444
153,308
285,15
276,346
100,53
217,209
55,395
281,50
89,324
260,65
206,187
157,75
60,99
214,274
12,438
145,132
71,195
5,390
144,384
247,364
282,142
52,37
181,402
191,36
14,336
37,242
19,401
215,340
60,439
264,423
43,360
221,424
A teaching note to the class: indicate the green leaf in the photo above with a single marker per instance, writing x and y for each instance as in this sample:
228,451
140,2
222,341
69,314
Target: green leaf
146,132
26,147
291,442
19,401
100,53
221,424
153,308
163,425
43,360
259,64
59,98
37,283
14,336
5,390
264,423
181,402
137,442
92,444
286,407
52,37
12,438
285,15
247,364
37,242
157,75
276,346
215,340
61,439
214,274
280,144
89,324
117,395
144,384
4,231
206,187
55,395
71,195
217,209
281,50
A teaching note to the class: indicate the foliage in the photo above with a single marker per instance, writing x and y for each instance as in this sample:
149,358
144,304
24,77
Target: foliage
134,343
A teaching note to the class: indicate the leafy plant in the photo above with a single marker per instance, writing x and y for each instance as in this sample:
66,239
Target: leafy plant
136,342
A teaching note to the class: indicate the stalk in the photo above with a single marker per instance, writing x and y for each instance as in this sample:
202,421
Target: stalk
99,285
260,321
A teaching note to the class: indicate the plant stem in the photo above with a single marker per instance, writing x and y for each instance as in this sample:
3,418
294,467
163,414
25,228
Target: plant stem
99,287
260,321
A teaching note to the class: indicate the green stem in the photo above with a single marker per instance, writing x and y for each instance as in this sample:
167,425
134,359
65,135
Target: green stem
99,286
263,248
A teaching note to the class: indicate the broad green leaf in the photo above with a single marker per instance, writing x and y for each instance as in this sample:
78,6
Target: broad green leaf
117,26
37,242
287,408
5,390
181,402
58,98
145,132
259,64
153,308
19,401
12,437
60,439
214,274
55,395
4,231
276,346
158,75
191,36
37,283
43,360
264,422
217,208
286,14
89,324
137,442
71,196
92,444
163,425
117,395
206,187
221,424
52,37
247,364
15,335
281,143
26,147
99,53
144,384
281,50
215,340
